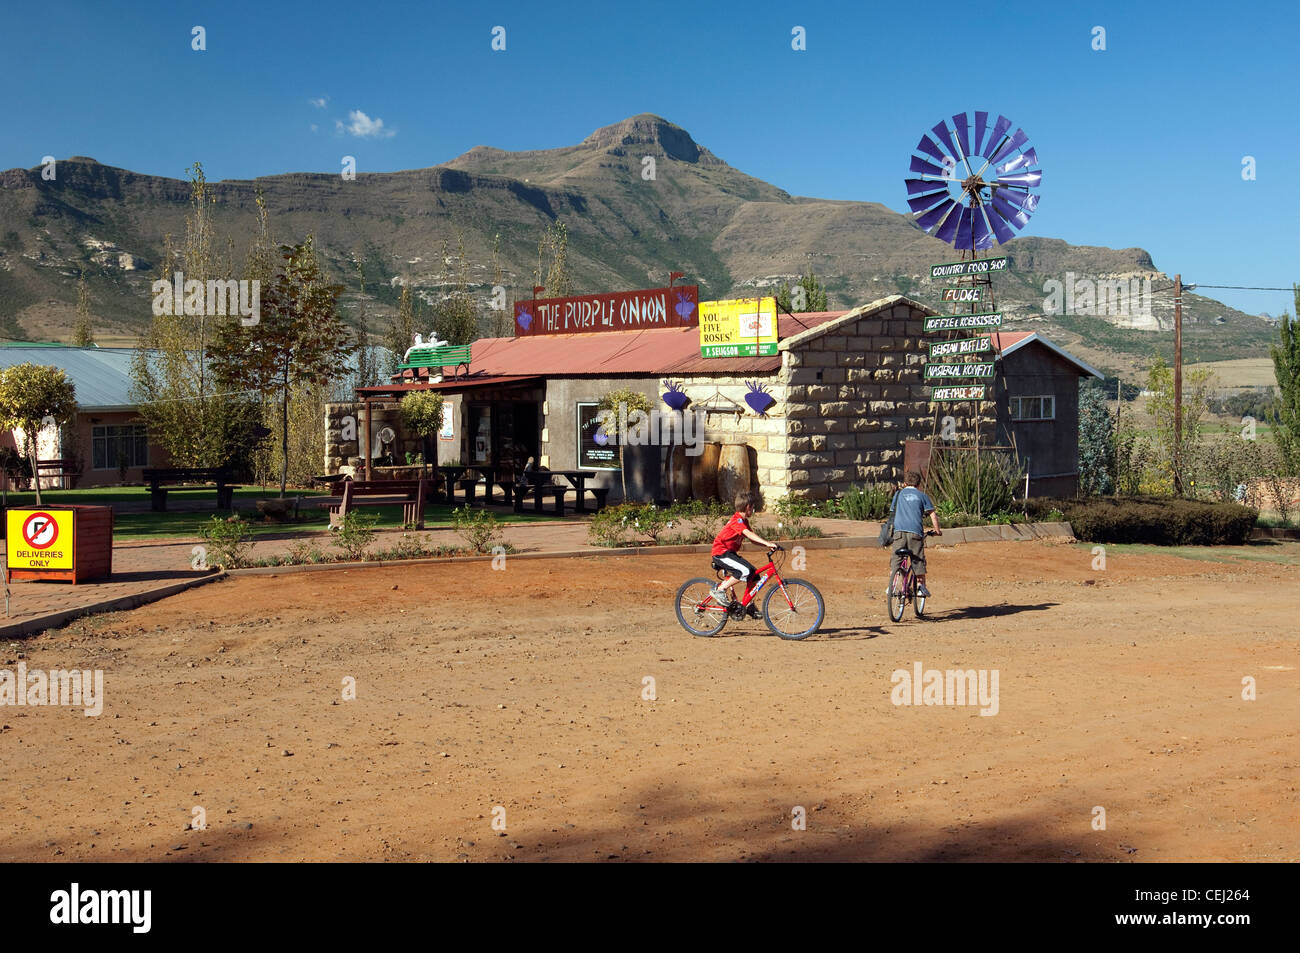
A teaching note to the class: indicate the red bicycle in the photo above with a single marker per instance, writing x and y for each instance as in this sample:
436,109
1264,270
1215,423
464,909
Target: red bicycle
902,586
792,608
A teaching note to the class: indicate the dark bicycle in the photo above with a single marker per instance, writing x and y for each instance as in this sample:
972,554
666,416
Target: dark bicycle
902,586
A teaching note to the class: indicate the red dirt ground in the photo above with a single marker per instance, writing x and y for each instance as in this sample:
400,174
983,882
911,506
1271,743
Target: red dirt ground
522,689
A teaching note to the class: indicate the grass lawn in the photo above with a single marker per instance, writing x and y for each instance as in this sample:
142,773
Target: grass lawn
1285,552
138,524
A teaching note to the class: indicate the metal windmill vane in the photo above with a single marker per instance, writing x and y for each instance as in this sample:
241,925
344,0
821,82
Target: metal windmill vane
969,186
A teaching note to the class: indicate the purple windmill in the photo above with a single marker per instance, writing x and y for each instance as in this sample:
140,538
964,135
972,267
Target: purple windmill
970,185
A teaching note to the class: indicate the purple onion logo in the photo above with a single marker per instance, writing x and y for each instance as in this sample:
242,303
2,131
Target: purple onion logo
525,320
759,400
673,395
685,307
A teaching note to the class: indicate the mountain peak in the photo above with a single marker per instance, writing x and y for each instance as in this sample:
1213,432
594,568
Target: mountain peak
647,129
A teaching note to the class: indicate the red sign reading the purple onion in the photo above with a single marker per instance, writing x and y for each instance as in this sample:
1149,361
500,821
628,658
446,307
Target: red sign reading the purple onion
622,311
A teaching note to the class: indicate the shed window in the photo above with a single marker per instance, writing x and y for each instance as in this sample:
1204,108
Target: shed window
1033,408
110,445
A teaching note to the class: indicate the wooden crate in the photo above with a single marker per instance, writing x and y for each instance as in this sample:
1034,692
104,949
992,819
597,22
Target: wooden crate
92,551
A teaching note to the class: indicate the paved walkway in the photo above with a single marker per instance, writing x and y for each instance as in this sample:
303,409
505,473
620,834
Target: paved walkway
143,570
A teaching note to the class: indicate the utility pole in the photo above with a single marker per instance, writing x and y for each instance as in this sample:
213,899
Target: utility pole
1178,385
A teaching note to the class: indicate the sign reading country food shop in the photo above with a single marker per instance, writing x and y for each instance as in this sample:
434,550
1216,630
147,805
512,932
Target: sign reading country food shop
960,347
677,307
935,372
963,322
960,269
740,327
40,539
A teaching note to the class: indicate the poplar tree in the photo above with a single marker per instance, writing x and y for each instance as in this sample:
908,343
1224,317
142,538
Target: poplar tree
1286,369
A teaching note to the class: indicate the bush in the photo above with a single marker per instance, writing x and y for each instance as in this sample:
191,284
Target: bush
229,541
477,527
1163,522
870,502
614,525
305,552
986,485
356,534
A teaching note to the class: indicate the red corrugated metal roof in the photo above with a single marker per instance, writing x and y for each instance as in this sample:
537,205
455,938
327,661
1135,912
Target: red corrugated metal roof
462,382
608,353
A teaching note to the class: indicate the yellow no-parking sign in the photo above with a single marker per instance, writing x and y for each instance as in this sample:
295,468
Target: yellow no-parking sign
39,539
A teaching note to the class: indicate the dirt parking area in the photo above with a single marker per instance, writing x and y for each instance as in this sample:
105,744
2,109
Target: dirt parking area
558,699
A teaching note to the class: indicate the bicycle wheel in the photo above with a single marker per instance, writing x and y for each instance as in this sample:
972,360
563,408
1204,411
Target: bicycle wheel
918,600
697,611
799,616
897,595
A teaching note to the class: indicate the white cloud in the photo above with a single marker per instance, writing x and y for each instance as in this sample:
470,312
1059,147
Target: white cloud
314,127
363,127
319,103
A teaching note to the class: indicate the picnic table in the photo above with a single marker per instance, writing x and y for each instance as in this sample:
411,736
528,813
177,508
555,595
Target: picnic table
539,483
179,478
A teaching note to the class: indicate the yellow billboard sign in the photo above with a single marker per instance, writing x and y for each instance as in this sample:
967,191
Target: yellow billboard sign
39,539
741,327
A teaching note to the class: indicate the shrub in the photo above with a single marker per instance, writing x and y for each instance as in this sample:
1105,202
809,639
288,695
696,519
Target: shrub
986,484
305,552
870,502
479,528
229,541
1164,522
407,546
614,525
356,534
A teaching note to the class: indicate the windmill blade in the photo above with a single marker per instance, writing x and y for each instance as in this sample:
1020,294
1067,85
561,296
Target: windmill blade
943,135
995,137
980,229
1010,212
924,202
926,168
1022,199
924,185
1000,227
981,123
935,215
959,122
929,148
948,229
1018,140
1025,179
1025,160
964,230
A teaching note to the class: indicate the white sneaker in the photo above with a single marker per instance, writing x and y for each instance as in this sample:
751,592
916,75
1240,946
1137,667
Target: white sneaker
719,596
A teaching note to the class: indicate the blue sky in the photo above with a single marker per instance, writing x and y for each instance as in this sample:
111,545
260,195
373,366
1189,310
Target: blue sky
1141,144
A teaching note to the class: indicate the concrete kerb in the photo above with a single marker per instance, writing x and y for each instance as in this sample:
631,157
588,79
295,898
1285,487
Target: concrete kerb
54,620
969,534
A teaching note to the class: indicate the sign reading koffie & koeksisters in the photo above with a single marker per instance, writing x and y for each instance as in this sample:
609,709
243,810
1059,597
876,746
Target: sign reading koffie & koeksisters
962,322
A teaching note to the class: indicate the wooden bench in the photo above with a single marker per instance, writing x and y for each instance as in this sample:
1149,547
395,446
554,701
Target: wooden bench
413,495
67,472
178,478
539,492
601,493
449,355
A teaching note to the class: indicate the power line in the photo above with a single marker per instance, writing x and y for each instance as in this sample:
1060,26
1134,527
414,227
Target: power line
1238,287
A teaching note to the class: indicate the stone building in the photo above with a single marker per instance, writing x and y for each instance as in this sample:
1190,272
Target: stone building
845,391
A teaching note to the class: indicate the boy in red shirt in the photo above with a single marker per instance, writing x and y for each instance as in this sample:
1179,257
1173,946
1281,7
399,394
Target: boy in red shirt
726,550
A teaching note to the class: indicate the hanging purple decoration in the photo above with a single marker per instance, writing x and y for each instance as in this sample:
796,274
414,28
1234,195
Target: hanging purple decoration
673,396
759,400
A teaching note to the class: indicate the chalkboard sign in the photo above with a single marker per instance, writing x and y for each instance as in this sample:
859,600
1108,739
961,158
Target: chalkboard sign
595,452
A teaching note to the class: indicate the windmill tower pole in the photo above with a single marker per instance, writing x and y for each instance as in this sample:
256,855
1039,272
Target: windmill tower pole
1178,385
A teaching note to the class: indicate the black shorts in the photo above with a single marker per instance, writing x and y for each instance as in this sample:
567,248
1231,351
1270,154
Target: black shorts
735,565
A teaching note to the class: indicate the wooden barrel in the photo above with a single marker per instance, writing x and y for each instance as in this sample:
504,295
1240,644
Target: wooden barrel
679,474
704,472
733,472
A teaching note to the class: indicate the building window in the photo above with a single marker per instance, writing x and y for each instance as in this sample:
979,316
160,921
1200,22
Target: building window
1033,408
110,446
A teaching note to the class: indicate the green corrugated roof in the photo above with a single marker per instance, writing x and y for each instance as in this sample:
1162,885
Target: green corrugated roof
102,375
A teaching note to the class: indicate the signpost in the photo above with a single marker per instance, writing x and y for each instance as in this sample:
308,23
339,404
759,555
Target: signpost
676,307
741,327
68,543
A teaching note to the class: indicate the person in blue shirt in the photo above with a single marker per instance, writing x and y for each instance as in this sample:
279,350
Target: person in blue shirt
910,507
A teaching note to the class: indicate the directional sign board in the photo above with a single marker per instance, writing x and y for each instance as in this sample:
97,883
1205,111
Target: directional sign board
965,392
40,539
960,269
960,347
961,295
938,372
963,322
